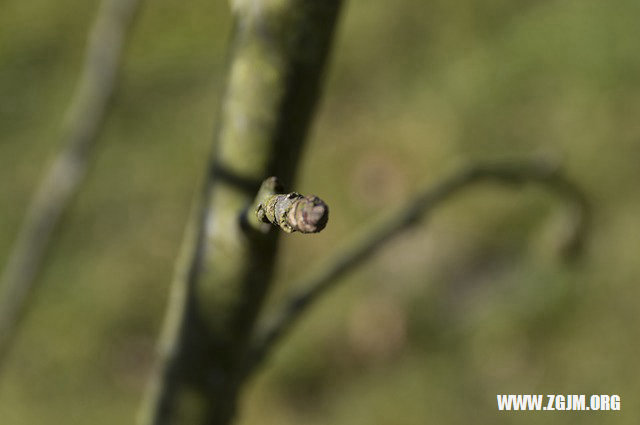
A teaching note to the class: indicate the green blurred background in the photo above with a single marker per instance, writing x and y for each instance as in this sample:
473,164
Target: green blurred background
471,304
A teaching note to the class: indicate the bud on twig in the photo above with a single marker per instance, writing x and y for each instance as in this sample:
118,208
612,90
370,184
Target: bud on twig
292,211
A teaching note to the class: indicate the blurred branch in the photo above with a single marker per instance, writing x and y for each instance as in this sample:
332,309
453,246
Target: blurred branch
278,52
84,118
373,238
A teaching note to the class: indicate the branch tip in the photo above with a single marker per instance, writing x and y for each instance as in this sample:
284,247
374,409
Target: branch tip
292,212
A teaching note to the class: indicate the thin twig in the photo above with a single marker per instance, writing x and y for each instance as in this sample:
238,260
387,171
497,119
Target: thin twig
373,238
291,212
84,119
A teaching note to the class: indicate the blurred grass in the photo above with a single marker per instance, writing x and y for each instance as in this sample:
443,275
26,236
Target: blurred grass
470,305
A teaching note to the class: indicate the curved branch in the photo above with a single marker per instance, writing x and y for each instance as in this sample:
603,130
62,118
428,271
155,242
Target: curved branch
372,238
85,117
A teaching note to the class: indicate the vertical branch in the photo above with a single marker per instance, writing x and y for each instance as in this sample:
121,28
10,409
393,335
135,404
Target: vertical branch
83,121
279,49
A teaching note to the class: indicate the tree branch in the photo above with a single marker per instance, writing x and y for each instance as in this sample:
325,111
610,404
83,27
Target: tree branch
83,121
278,53
353,253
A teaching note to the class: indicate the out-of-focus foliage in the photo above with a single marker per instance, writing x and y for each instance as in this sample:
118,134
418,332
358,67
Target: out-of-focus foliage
471,304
